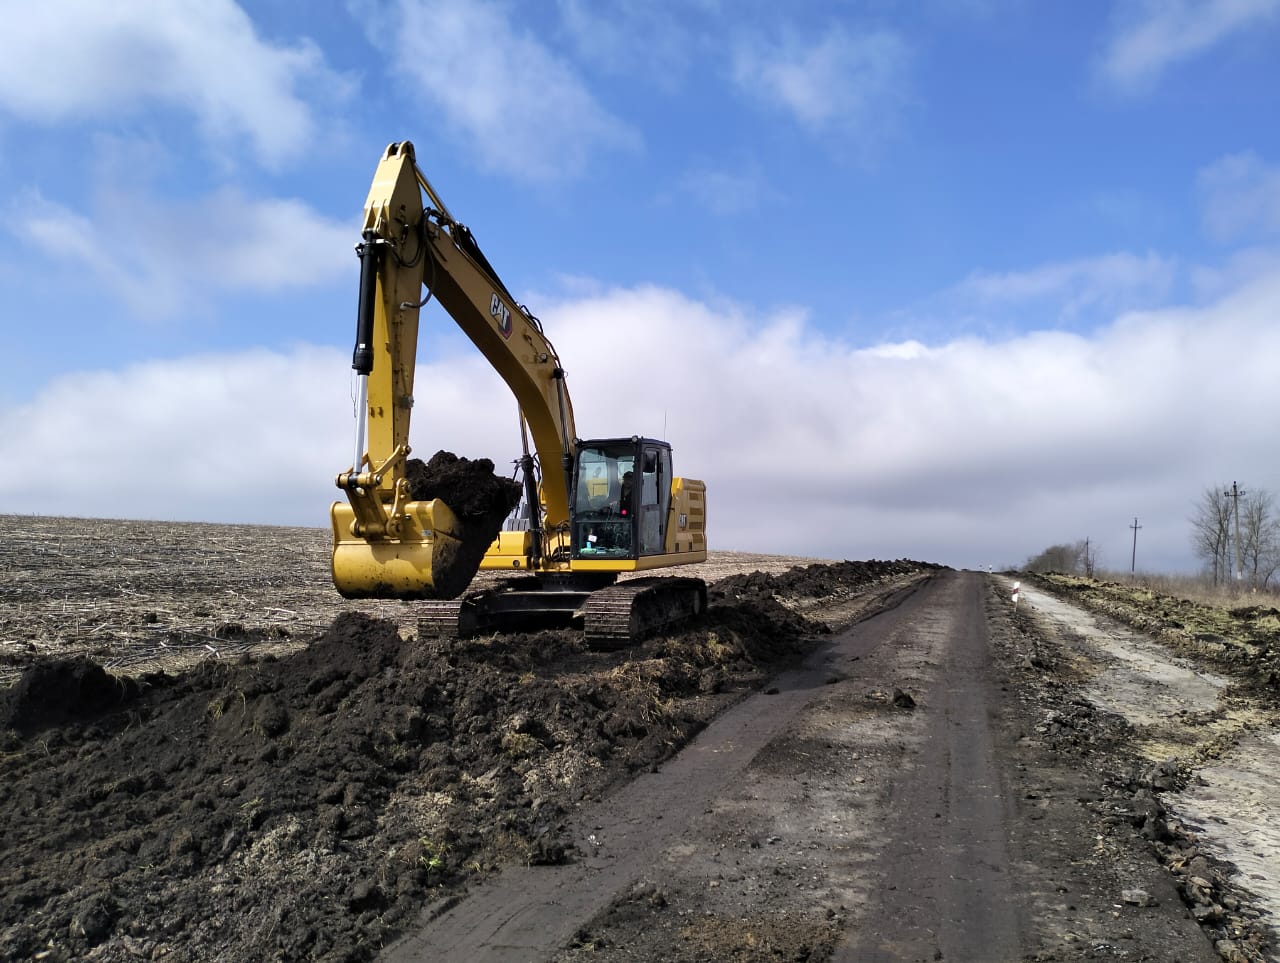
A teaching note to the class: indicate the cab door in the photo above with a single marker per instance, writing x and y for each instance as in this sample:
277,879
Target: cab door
655,498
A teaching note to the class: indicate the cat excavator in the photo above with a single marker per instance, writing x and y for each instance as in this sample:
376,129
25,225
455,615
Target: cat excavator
592,509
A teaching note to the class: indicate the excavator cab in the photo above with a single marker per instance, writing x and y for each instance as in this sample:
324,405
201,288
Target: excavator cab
621,498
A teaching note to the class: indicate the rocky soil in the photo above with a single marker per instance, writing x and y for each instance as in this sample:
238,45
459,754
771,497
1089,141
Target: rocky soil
1192,693
943,792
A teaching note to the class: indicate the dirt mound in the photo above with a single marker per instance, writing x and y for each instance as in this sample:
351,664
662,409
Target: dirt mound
306,807
818,580
62,692
480,499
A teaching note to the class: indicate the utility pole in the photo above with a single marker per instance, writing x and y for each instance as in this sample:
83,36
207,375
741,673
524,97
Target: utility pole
1133,562
1234,495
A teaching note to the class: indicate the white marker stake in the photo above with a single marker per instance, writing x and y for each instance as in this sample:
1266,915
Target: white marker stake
1017,588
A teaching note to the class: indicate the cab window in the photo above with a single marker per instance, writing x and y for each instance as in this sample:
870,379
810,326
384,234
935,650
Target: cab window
605,502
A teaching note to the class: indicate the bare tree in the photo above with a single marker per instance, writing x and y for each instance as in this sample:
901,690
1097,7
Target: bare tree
1259,537
1211,532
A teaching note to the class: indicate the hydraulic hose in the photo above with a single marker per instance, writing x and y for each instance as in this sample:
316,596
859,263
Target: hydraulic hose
370,253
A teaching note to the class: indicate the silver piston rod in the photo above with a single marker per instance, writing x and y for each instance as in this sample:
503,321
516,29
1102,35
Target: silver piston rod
370,254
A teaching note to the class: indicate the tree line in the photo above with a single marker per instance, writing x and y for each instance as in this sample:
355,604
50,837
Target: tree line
1078,558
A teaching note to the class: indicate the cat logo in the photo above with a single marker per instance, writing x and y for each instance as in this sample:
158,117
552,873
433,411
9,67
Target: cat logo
500,314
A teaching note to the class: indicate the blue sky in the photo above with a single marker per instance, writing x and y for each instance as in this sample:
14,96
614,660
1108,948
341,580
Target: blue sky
948,280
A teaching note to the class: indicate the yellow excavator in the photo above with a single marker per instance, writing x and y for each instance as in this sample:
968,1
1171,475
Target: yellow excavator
592,510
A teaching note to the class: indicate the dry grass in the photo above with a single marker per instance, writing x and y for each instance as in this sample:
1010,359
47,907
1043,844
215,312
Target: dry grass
1198,589
1241,632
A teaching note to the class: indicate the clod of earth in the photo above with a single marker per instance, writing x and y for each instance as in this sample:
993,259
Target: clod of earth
480,499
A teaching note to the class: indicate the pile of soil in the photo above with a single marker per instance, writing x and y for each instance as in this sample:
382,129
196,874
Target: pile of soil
480,499
61,693
818,580
306,807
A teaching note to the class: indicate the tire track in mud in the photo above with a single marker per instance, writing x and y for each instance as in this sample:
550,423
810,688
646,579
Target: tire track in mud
944,891
528,913
910,811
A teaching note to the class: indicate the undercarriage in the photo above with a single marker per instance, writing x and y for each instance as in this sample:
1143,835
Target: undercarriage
611,614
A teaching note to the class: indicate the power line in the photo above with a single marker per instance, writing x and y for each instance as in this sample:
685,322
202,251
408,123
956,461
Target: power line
1133,562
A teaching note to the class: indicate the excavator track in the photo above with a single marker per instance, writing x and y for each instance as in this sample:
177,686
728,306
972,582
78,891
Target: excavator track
456,618
621,614
612,617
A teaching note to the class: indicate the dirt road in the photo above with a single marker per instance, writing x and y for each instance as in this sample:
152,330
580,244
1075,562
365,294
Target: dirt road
889,800
945,885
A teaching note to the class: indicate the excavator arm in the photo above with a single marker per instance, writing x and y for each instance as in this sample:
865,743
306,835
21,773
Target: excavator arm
384,542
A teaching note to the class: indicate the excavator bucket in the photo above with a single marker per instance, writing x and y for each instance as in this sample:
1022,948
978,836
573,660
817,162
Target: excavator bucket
429,556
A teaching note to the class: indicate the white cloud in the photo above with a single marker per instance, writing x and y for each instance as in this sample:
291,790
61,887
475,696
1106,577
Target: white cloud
1110,282
254,437
251,437
970,452
165,258
648,39
1151,36
845,82
1240,269
75,60
725,192
1241,197
523,109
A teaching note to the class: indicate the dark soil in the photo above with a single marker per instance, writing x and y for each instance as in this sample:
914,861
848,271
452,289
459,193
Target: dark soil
480,499
468,486
62,693
817,580
306,807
